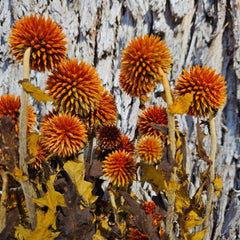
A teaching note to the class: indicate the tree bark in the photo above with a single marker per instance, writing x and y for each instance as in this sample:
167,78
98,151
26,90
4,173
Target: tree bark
204,32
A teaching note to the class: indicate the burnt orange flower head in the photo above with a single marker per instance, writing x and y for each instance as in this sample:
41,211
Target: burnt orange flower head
44,36
150,149
149,207
10,107
209,90
105,113
119,167
126,144
140,64
109,137
152,115
75,87
63,134
135,234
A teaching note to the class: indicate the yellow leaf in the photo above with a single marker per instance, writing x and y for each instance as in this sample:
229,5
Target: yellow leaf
103,230
153,176
42,230
18,175
36,92
52,198
217,185
33,143
197,235
192,220
183,200
181,104
76,172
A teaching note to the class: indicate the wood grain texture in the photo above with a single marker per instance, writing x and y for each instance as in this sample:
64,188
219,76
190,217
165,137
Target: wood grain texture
204,32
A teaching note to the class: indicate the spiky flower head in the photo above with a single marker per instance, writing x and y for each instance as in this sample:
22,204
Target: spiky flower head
209,90
44,36
149,207
75,87
140,64
119,167
126,144
63,134
10,107
135,234
105,113
150,149
152,115
41,155
109,137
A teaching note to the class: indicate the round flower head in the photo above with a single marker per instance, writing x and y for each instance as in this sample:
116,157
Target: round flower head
149,207
209,90
75,87
44,36
63,134
140,64
135,234
10,107
37,162
105,113
109,137
126,144
150,149
120,167
152,115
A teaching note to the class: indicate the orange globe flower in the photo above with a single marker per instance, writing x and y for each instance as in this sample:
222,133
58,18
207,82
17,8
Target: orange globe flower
119,167
135,234
152,115
209,90
150,149
41,155
105,113
109,137
149,207
140,64
63,134
10,107
75,87
126,144
44,36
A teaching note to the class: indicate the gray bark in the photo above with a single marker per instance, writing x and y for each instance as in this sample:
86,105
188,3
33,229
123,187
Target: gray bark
204,32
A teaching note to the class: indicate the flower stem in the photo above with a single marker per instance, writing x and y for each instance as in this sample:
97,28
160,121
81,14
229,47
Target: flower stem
210,189
3,209
27,187
114,206
171,127
90,148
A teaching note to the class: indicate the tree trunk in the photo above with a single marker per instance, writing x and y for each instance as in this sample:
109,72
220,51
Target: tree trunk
204,32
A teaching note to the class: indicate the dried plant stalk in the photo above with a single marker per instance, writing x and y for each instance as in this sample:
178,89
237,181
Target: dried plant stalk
171,127
27,187
210,190
3,208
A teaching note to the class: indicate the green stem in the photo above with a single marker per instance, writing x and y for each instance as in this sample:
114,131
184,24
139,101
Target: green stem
210,189
3,208
171,127
27,187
